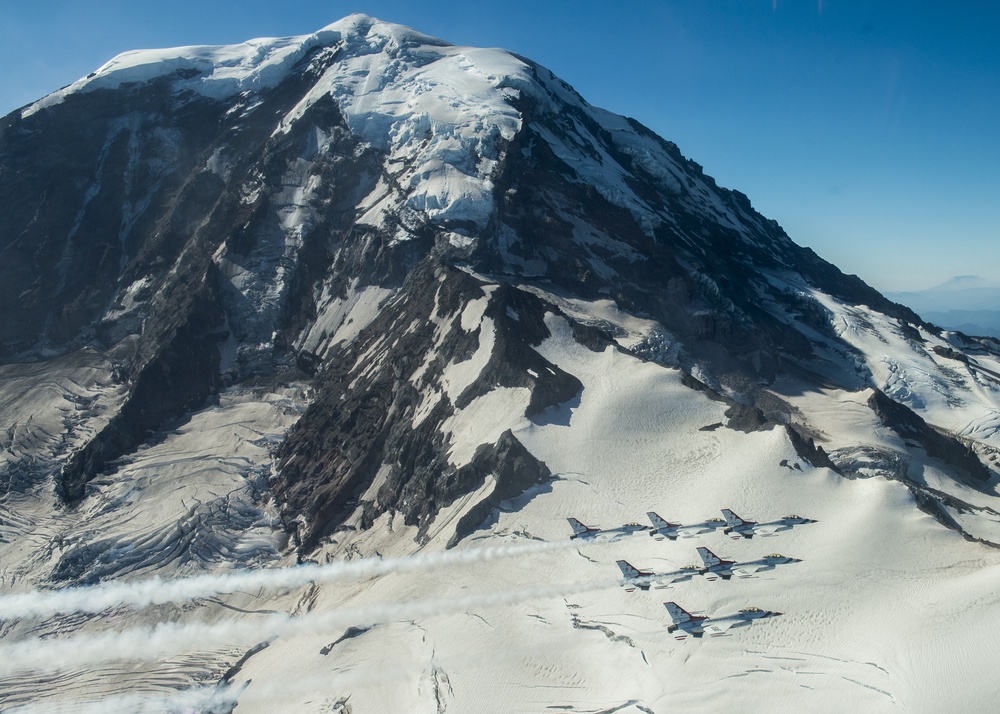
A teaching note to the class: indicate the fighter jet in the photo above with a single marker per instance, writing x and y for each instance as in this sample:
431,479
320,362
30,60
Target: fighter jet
716,567
688,625
665,529
584,532
642,579
737,527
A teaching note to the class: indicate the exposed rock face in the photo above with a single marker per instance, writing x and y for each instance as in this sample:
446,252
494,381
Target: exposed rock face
383,401
178,376
941,446
515,471
749,418
397,219
807,448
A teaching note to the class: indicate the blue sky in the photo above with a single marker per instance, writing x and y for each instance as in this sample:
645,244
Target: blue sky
869,130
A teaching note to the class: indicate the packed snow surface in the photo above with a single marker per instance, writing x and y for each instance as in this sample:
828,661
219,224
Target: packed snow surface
887,611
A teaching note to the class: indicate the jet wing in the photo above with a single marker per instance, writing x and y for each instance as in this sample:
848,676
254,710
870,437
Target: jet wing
767,530
745,570
718,627
668,579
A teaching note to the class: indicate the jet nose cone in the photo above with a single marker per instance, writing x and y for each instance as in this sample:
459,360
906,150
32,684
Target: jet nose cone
777,614
795,560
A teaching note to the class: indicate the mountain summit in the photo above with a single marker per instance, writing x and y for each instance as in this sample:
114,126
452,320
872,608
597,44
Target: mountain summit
364,292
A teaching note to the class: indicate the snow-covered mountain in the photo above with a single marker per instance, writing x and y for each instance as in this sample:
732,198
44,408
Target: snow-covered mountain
365,299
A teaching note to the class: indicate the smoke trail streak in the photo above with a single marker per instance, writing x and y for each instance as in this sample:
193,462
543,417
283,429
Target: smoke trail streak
226,695
156,591
151,643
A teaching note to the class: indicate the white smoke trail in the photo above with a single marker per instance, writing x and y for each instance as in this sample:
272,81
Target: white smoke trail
152,643
155,591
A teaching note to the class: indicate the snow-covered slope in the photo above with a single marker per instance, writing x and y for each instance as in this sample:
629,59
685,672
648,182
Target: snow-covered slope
346,326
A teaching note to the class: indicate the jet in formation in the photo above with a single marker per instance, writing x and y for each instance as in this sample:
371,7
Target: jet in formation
737,527
716,567
665,529
585,532
643,579
662,529
688,625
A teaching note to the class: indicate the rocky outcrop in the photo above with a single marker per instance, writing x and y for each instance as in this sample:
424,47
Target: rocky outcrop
514,469
912,427
806,448
377,425
748,418
179,376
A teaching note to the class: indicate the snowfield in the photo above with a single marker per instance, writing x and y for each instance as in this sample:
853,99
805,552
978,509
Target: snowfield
888,610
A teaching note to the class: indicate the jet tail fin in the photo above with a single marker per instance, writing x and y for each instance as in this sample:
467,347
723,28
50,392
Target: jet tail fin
577,526
732,520
658,521
708,557
677,613
629,570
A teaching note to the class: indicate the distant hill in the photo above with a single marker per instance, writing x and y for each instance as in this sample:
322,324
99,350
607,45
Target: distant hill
968,303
